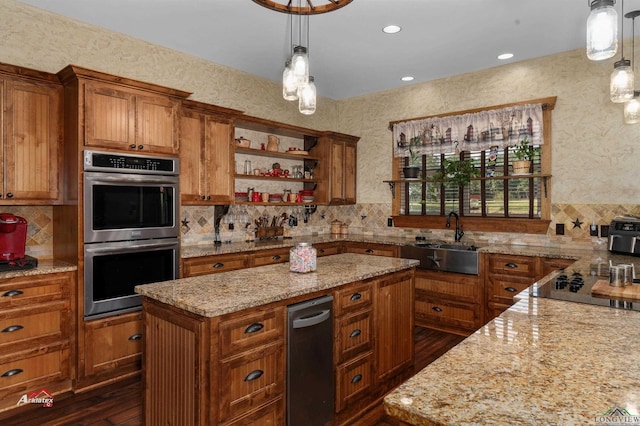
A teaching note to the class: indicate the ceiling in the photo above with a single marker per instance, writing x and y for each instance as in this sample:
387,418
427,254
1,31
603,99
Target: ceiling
349,53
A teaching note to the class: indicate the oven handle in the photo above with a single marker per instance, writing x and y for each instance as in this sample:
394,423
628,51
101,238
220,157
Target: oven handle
129,247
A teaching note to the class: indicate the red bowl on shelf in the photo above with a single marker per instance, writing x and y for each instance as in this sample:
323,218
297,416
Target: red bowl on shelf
241,194
307,192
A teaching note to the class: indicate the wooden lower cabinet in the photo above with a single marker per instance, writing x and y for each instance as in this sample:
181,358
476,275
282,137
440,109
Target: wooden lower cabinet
230,370
372,248
205,265
327,249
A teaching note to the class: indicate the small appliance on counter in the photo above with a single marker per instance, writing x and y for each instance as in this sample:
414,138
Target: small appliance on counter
13,239
624,233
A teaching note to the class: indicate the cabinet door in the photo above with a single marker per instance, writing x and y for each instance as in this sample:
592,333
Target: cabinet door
271,257
371,248
113,343
394,325
193,189
337,170
109,117
219,161
349,173
205,265
33,140
156,124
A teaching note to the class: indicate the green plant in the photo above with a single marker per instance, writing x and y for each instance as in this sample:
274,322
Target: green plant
414,157
523,151
454,171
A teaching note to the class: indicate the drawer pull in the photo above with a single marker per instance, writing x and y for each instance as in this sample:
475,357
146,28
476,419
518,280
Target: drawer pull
510,265
253,328
218,265
255,374
355,333
132,146
356,378
276,257
12,328
355,296
320,251
136,336
369,251
12,293
437,308
511,289
12,372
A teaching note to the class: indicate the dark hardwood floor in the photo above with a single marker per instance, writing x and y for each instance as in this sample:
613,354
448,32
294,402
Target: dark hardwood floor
121,403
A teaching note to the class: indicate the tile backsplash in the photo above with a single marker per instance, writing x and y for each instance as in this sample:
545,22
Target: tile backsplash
371,219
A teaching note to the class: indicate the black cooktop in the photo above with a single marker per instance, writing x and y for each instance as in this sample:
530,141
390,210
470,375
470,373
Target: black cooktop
574,286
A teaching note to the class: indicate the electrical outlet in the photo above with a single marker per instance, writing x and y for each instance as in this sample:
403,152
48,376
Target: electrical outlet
390,221
604,231
559,228
593,230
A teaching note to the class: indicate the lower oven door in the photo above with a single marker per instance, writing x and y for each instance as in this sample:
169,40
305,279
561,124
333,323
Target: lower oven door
112,270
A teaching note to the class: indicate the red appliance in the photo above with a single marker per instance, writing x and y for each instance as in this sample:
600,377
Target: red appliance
13,236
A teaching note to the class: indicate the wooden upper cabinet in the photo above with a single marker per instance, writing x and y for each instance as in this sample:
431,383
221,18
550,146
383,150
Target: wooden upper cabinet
119,118
206,154
32,141
338,168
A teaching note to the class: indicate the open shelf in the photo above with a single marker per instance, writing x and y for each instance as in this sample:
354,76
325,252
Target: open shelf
276,178
274,154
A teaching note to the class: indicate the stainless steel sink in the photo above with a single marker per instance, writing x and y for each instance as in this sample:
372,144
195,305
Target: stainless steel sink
438,256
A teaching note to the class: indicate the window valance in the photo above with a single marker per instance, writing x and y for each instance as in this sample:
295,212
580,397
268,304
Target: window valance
475,131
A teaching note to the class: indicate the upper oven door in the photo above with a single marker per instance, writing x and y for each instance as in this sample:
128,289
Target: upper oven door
124,206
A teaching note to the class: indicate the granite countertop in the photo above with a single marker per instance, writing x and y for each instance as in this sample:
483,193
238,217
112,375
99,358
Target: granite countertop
45,266
218,294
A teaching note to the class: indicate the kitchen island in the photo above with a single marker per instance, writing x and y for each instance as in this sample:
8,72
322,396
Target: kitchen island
542,362
215,344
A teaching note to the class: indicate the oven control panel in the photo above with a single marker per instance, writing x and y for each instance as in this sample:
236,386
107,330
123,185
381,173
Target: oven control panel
125,163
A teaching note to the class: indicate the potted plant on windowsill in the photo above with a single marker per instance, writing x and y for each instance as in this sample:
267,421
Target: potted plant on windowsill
412,169
524,152
457,172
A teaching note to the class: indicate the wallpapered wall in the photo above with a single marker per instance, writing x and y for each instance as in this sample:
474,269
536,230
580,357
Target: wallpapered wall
594,153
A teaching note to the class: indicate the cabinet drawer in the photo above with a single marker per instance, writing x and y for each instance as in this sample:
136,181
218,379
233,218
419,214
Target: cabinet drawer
113,343
354,298
269,257
464,288
20,326
354,381
353,335
249,331
374,249
524,266
327,249
52,363
35,289
504,288
213,264
250,380
446,313
269,415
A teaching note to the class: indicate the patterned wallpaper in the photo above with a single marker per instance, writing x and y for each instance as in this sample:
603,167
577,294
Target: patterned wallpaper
594,153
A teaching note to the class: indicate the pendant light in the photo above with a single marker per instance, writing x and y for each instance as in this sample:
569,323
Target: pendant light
300,64
307,97
602,30
289,84
621,85
632,107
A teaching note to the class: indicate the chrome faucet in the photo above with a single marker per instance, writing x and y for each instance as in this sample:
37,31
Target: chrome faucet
459,231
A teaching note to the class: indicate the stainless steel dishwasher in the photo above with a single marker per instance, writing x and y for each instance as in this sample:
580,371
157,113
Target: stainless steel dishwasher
310,388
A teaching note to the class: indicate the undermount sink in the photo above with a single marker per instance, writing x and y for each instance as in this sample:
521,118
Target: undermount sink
438,256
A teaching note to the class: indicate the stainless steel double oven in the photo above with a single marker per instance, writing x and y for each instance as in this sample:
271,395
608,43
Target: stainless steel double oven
131,229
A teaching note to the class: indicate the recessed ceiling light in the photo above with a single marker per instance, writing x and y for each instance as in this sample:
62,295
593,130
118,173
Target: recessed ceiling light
407,78
391,29
505,56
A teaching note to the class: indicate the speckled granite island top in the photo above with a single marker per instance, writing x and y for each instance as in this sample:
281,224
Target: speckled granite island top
223,293
541,362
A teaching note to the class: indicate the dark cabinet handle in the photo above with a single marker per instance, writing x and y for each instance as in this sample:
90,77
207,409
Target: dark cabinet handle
356,378
208,197
355,296
355,333
511,289
13,372
202,197
132,146
510,265
9,194
276,257
12,328
369,251
218,265
253,328
140,146
321,251
136,336
12,293
437,308
255,374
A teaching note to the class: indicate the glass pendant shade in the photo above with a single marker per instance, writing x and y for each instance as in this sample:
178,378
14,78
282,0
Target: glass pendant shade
300,64
602,30
621,87
632,110
289,84
307,97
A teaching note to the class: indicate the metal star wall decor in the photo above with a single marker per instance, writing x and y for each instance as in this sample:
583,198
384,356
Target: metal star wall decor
577,223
